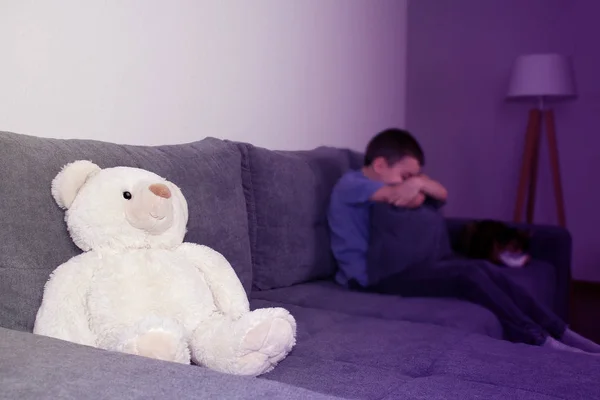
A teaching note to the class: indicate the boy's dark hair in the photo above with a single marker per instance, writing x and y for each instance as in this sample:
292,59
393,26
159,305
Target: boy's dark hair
393,145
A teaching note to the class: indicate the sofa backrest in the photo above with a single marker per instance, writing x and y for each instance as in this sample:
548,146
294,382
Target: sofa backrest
34,239
287,194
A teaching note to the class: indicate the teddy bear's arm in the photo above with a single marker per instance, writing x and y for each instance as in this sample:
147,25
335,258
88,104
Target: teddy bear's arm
228,292
62,314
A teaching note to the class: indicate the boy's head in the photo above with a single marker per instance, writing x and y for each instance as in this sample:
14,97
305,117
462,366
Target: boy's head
393,156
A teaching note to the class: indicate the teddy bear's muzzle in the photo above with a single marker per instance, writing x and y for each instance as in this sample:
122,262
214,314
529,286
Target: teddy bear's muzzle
151,209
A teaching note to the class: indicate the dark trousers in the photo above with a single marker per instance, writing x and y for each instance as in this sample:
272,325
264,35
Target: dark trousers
523,318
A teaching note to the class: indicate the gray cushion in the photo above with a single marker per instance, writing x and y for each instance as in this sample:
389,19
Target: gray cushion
326,295
523,369
34,239
451,388
36,367
287,195
357,357
361,357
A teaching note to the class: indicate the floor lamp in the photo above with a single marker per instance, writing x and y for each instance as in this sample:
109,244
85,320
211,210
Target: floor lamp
542,78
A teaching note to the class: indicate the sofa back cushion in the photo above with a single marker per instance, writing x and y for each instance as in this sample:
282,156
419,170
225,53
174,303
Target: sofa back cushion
34,238
287,194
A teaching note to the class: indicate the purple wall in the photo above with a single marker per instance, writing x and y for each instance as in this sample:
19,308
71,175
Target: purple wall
460,53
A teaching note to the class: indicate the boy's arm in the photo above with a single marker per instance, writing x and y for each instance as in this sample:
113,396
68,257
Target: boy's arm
434,188
359,190
412,192
384,194
356,189
406,194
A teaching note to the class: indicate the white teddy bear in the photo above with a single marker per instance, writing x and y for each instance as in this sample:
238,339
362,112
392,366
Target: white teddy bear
138,288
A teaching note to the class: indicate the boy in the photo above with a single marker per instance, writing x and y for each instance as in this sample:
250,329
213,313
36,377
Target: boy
392,174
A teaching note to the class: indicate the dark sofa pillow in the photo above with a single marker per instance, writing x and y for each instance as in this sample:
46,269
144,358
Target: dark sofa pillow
287,194
403,238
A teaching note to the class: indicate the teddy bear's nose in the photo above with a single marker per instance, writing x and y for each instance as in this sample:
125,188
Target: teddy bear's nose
160,190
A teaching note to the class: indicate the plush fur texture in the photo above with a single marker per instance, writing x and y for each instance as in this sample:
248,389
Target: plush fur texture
137,288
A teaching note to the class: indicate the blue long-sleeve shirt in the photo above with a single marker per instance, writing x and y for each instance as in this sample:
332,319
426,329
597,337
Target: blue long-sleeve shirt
348,218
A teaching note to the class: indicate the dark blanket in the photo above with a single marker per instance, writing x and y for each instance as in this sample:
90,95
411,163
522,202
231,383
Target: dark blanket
403,238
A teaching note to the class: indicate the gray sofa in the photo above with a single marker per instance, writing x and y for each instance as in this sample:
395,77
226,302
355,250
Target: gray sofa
265,211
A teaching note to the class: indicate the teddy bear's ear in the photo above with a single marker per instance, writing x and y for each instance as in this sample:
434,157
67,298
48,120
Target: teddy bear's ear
70,179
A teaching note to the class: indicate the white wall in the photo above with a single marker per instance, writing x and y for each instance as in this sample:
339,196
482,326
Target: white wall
278,73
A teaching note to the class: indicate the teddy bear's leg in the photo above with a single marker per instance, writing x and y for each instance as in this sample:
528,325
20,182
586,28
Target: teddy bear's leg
251,345
158,338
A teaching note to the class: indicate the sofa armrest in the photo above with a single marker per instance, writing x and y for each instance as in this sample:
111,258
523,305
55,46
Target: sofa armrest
552,244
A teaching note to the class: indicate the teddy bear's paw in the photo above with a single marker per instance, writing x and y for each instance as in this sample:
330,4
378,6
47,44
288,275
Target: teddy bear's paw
268,341
163,346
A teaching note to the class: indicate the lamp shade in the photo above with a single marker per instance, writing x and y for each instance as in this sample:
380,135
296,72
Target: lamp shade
542,75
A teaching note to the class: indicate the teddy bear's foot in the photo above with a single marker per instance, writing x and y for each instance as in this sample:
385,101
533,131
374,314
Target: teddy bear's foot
268,341
251,345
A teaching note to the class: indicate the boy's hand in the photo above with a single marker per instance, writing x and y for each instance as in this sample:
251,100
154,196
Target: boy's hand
404,194
417,201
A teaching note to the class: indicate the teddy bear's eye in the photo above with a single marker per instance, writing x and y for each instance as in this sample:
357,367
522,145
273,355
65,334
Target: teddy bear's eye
127,195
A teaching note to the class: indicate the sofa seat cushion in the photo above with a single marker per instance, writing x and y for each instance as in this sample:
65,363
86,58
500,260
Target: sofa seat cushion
327,295
37,367
360,357
452,388
34,239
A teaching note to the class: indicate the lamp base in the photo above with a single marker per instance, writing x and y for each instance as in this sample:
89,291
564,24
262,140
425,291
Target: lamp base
529,167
